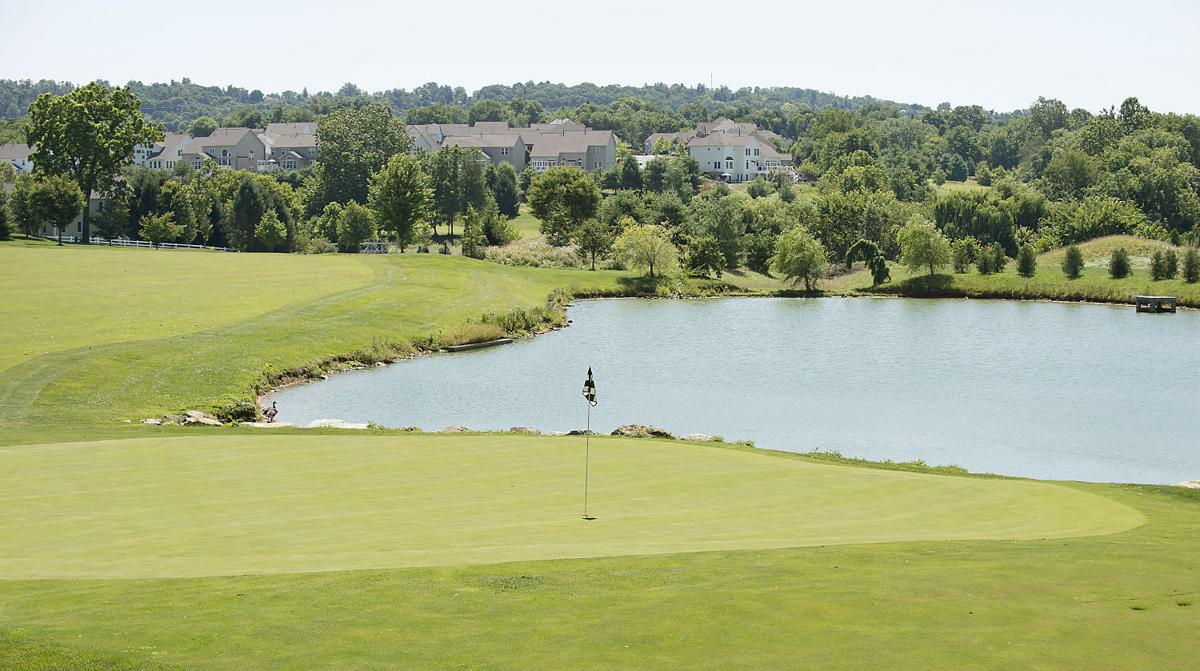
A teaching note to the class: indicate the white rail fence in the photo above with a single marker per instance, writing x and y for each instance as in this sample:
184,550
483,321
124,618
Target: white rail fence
118,242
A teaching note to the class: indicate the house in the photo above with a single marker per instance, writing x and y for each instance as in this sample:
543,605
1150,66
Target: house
736,157
239,148
163,155
17,155
560,142
587,150
290,146
729,150
497,148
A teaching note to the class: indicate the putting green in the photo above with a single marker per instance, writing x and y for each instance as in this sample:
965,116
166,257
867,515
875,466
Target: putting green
232,504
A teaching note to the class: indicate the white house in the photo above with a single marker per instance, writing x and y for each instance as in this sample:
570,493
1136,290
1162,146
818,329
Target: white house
17,155
163,155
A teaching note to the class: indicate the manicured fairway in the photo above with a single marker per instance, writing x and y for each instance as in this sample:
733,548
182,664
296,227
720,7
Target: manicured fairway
201,506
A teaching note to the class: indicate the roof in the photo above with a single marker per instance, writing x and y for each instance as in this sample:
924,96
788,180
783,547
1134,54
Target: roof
221,137
553,144
301,134
12,152
489,140
170,146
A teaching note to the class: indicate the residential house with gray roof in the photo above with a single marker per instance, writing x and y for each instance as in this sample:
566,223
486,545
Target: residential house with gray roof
163,155
17,155
290,146
239,148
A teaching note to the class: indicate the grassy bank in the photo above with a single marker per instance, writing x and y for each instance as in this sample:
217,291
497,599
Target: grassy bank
1049,282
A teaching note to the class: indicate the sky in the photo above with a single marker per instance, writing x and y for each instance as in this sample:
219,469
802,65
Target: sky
1001,55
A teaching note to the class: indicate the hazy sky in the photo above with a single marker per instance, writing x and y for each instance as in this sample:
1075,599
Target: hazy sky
1001,55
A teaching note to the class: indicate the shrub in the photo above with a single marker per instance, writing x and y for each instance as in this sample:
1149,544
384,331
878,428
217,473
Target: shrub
535,253
991,259
964,252
1170,264
319,245
1118,264
1026,261
1072,264
1191,266
1158,266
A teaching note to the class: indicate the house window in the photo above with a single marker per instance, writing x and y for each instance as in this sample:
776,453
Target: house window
729,165
747,151
756,152
226,162
224,152
199,164
717,165
504,151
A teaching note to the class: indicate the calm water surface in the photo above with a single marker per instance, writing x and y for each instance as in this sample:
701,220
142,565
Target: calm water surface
1044,390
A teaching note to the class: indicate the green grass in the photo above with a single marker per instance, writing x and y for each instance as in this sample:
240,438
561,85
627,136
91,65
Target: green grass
246,503
969,185
527,225
95,335
720,556
134,547
1049,282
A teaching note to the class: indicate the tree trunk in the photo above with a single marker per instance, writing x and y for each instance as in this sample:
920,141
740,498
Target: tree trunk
60,237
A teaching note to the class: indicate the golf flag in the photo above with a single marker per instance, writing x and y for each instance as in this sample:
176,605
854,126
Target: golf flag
589,388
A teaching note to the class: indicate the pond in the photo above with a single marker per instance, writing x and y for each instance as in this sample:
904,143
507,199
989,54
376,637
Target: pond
1046,390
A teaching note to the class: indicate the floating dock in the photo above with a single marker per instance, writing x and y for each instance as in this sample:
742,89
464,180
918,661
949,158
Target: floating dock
1155,304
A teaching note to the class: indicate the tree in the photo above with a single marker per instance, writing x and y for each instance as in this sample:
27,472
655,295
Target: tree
563,198
159,228
594,240
56,200
631,175
1072,263
459,183
964,251
922,245
21,206
353,144
400,196
647,248
503,184
991,259
327,222
704,255
1158,268
1118,264
202,126
1026,261
355,226
1170,264
1191,266
474,241
872,258
271,234
88,135
799,257
5,224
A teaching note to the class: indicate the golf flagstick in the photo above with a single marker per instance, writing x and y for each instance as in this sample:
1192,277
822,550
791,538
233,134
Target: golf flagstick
589,393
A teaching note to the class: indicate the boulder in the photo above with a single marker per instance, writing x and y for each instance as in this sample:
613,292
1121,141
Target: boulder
580,432
197,417
332,424
698,437
1190,484
528,430
457,428
151,420
410,429
641,431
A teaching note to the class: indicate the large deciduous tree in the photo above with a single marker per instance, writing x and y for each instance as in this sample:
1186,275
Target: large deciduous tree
56,200
400,197
647,248
563,198
799,257
922,245
353,144
88,135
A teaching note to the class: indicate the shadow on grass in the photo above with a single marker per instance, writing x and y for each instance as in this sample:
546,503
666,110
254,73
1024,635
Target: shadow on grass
928,286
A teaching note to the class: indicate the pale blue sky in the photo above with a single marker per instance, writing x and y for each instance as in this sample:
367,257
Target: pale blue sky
1001,55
